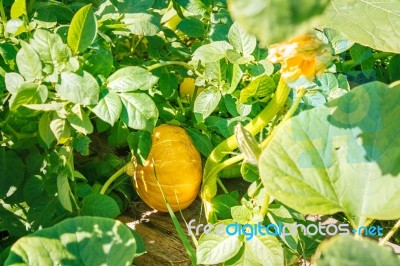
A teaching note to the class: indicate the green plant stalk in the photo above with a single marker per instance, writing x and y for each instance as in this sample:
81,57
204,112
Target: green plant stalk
179,63
211,169
381,55
301,92
3,14
114,177
390,233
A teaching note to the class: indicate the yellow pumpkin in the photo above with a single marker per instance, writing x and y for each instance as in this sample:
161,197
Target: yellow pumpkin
177,166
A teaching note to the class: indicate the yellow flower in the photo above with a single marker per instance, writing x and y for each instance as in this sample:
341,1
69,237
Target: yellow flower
302,58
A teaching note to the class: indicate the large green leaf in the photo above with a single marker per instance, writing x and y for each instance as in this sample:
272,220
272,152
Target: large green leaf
50,47
206,102
350,251
241,40
142,24
130,79
28,62
18,9
28,93
109,107
11,172
96,204
342,157
79,120
276,20
83,29
139,111
214,248
76,241
80,89
368,22
212,52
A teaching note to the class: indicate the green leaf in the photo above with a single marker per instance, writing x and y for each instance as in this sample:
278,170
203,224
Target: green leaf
240,40
60,129
249,172
216,248
45,132
206,102
201,141
192,27
109,107
139,111
50,48
79,89
339,42
11,172
273,21
223,203
76,241
15,27
363,21
357,252
98,61
130,79
265,249
212,52
260,88
119,135
197,7
142,24
140,143
241,214
83,29
18,9
64,191
28,93
28,62
100,205
79,120
13,82
343,157
81,144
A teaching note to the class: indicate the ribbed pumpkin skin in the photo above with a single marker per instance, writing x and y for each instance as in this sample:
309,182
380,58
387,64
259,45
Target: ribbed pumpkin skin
178,168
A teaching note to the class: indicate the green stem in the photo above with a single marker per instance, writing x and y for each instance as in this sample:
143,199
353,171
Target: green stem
265,205
390,233
381,55
3,14
113,178
300,93
179,63
221,185
178,99
211,169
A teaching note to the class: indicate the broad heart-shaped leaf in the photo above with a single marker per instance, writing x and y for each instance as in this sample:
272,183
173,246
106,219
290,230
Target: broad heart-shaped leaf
83,29
217,246
206,102
212,52
76,241
79,89
193,27
346,250
142,24
340,157
260,88
96,204
139,111
131,78
276,20
28,62
241,40
371,23
109,107
11,172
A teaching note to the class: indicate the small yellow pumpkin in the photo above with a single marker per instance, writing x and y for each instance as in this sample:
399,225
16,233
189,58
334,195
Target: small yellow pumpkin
174,164
186,89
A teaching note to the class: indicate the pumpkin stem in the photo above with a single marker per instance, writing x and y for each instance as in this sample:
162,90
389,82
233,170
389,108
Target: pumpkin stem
124,169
